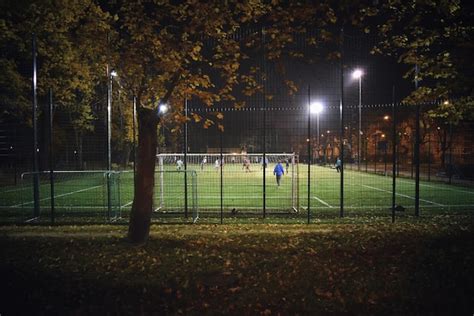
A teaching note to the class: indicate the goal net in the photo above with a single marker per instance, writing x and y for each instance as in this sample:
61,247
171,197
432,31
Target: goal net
240,185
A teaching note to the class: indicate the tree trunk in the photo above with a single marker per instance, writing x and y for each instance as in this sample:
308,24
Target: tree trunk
140,217
444,148
127,151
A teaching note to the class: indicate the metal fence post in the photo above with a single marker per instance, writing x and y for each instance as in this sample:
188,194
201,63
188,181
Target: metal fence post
264,161
394,156
417,151
185,158
221,177
341,121
36,193
51,155
309,155
450,169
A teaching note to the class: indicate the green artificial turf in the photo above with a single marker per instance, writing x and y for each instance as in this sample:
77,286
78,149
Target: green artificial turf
364,193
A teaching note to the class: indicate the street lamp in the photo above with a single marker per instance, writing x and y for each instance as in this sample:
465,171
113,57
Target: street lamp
357,74
316,108
162,108
112,74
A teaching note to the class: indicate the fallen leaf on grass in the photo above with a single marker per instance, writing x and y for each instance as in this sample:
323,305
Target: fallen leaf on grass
322,293
235,289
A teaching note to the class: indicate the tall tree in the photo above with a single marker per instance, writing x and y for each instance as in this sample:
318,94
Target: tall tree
167,51
435,36
69,36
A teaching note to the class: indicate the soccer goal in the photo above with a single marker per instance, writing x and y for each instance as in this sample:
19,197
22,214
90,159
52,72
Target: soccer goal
87,192
177,192
242,180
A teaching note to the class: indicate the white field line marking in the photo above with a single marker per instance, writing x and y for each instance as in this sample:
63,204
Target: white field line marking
439,188
14,190
403,195
322,202
31,219
233,197
421,184
127,204
60,195
70,207
253,208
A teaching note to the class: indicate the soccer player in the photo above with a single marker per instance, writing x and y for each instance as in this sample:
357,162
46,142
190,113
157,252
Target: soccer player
278,172
338,164
203,162
179,164
287,165
246,165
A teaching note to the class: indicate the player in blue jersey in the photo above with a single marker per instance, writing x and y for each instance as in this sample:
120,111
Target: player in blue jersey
278,172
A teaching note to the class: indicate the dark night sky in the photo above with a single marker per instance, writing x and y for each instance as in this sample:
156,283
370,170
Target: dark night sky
286,128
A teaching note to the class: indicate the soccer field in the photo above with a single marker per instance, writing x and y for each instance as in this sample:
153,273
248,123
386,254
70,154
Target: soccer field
87,192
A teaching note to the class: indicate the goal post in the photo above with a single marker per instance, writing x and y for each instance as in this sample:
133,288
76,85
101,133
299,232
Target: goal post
172,192
239,187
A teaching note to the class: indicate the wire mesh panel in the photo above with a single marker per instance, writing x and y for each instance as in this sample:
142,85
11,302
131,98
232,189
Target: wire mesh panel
342,158
241,180
176,192
75,193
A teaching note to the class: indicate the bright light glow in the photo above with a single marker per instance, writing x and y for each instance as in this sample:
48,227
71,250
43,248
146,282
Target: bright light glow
163,108
446,102
328,132
383,135
386,117
356,74
113,73
316,107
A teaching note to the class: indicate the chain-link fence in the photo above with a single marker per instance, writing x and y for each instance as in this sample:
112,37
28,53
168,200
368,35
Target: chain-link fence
351,146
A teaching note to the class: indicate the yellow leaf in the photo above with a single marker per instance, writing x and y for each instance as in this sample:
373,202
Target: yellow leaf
235,289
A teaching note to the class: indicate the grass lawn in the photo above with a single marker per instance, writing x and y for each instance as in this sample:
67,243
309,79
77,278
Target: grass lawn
416,266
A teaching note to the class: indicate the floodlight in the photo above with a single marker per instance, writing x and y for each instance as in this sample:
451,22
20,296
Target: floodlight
356,74
113,73
163,108
316,108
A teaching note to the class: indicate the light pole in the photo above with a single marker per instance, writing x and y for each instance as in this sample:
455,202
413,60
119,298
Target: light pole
162,109
316,108
112,74
386,118
134,118
357,74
